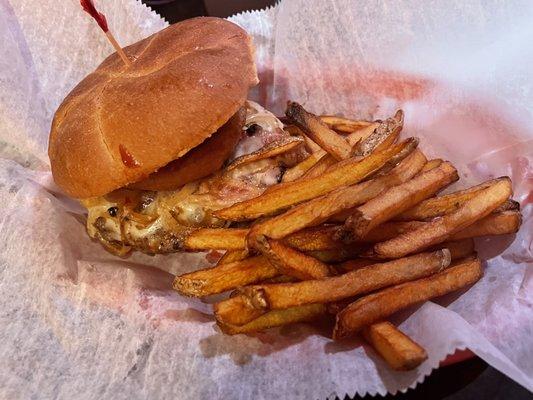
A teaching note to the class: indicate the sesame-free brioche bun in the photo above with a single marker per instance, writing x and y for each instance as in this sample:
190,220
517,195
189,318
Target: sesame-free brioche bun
120,124
199,162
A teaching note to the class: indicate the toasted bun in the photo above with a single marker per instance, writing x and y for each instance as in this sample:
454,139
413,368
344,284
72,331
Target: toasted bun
201,161
120,124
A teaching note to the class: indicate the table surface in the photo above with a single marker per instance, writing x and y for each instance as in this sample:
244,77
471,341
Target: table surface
471,379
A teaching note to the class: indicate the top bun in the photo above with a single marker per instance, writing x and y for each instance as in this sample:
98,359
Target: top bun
119,124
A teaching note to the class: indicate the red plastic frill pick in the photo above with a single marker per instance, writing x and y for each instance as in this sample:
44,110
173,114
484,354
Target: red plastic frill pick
89,8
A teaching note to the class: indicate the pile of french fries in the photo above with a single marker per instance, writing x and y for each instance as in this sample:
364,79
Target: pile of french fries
357,231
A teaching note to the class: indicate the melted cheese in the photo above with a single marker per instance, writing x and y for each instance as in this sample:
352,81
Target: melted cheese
157,222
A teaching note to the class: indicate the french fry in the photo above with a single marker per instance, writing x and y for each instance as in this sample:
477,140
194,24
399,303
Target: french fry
293,263
431,164
348,172
442,205
458,249
327,161
398,350
301,168
495,224
237,310
276,318
315,238
361,134
364,280
270,150
332,120
311,146
440,229
337,255
380,305
399,198
383,136
224,277
317,130
320,209
320,167
277,279
232,256
216,239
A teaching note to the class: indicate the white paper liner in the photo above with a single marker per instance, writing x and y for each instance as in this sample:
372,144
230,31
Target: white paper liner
79,323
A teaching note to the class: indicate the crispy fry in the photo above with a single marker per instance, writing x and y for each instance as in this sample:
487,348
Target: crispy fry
399,198
364,280
311,146
224,277
270,150
337,255
397,349
320,209
442,228
442,205
320,167
237,310
278,279
458,249
293,263
315,238
275,318
335,145
357,263
328,160
431,164
344,173
301,168
216,239
232,256
394,160
333,120
384,135
495,224
375,307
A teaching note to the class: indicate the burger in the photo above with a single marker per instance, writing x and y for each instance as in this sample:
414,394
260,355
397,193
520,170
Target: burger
153,149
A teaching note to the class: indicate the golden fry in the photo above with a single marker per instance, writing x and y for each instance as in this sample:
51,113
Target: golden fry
383,136
442,205
320,209
232,256
431,164
301,168
275,318
399,198
337,255
364,280
440,229
237,310
333,120
293,263
380,305
345,173
216,239
495,224
398,350
330,141
224,277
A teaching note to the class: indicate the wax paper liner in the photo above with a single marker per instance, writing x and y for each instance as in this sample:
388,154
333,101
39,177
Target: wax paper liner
77,322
